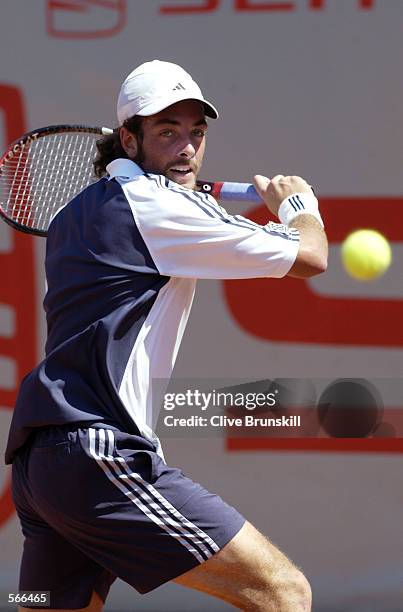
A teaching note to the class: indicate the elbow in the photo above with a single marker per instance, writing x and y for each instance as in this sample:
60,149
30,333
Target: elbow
319,265
309,264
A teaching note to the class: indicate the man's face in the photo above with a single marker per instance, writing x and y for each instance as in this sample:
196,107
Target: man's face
174,142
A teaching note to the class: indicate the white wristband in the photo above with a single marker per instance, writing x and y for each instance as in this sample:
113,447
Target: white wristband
299,204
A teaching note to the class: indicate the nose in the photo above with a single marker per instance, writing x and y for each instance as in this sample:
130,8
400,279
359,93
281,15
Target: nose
187,151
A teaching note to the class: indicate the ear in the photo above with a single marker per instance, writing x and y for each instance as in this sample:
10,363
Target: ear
128,142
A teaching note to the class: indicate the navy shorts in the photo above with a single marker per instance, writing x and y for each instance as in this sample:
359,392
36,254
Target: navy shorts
98,504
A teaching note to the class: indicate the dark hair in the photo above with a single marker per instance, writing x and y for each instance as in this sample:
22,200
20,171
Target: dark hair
109,147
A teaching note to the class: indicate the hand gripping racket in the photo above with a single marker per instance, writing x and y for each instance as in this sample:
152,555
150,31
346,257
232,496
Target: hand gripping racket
47,167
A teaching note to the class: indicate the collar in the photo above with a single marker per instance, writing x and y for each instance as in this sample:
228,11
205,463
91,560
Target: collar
124,168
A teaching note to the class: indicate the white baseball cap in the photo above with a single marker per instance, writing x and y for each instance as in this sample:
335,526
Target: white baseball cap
156,85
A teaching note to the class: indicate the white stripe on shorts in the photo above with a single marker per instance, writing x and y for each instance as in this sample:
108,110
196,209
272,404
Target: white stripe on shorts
203,540
141,493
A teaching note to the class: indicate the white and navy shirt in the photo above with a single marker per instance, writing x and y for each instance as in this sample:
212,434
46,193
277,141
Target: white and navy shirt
122,260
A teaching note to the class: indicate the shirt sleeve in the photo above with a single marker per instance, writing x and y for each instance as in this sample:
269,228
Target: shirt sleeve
189,235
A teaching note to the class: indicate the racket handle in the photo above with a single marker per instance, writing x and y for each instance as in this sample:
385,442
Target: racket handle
226,191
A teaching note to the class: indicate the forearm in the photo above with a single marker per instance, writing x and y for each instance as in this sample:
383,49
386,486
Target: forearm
313,249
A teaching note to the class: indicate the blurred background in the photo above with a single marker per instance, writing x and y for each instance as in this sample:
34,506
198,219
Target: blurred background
308,87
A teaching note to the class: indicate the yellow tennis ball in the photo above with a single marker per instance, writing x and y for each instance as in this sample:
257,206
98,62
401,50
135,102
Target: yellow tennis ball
366,254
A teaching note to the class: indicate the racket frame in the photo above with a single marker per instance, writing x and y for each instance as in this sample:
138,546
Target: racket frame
16,146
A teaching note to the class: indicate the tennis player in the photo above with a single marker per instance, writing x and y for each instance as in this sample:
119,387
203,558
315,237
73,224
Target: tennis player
93,492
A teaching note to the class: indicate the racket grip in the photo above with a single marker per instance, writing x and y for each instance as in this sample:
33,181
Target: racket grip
239,191
229,191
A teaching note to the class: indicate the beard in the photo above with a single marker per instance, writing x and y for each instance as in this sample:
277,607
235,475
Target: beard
139,158
184,179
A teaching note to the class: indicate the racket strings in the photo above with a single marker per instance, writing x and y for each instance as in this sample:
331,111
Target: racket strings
43,175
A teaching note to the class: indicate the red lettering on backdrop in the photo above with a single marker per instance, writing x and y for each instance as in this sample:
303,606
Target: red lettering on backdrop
205,7
287,310
208,6
6,502
17,289
85,18
328,320
246,5
319,4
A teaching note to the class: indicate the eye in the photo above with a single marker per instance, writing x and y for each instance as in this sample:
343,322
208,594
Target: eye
199,133
166,133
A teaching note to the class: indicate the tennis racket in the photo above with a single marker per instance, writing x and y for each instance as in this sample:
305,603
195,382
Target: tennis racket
47,167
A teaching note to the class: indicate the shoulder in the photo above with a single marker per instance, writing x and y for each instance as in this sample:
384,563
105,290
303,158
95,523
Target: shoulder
157,191
183,196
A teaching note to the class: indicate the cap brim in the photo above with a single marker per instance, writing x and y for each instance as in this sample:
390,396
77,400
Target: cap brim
210,110
159,105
